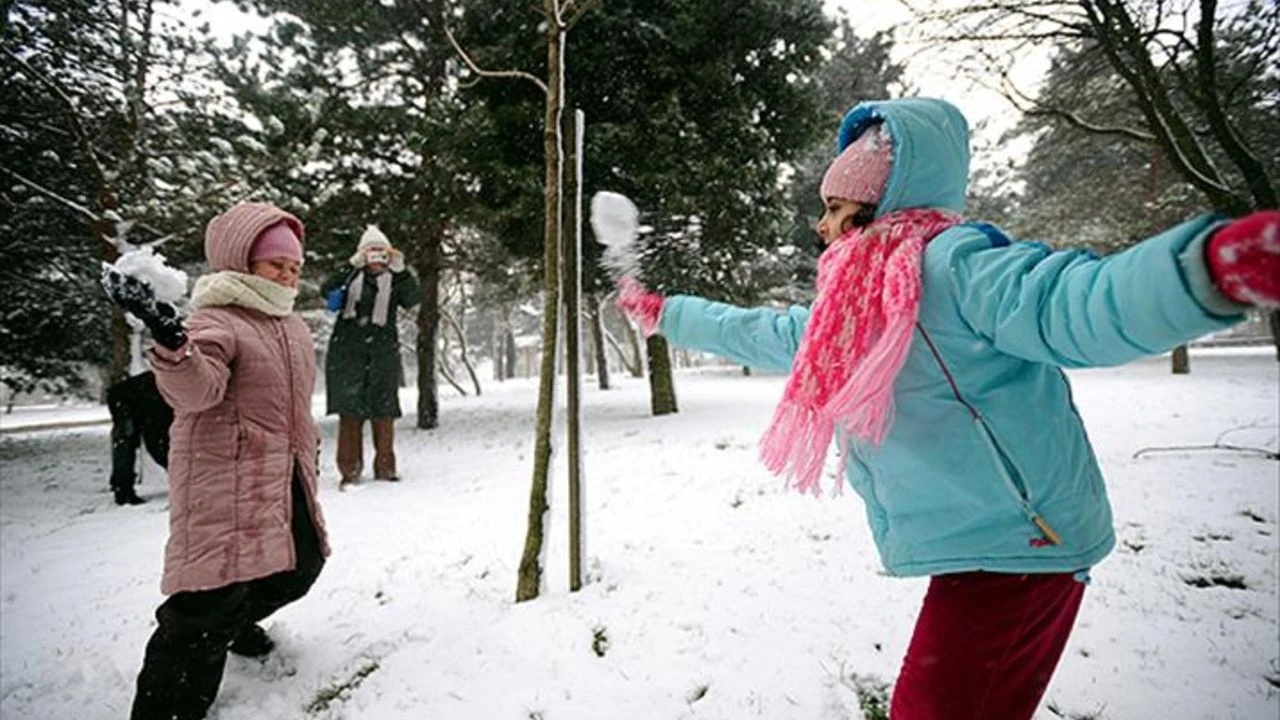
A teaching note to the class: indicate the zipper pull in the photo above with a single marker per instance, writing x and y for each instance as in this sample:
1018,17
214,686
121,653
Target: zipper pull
1049,533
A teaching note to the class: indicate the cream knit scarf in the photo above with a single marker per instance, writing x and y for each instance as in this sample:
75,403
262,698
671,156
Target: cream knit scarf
243,290
381,301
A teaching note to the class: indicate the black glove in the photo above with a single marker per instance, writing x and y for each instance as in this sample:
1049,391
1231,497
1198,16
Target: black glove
138,298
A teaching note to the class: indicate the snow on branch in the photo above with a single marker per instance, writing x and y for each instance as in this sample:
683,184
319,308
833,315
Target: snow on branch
73,114
68,203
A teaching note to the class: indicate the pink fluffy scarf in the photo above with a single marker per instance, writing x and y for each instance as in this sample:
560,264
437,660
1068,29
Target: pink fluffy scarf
854,344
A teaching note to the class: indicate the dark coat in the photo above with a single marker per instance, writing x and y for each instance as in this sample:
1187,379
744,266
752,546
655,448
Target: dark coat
362,369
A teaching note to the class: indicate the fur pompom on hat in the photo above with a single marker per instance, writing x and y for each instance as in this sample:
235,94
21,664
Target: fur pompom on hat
372,238
229,237
861,172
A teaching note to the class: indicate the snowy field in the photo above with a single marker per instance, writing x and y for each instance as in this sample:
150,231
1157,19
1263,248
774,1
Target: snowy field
712,592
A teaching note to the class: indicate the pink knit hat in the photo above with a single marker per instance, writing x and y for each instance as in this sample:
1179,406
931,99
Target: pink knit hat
862,170
277,241
229,237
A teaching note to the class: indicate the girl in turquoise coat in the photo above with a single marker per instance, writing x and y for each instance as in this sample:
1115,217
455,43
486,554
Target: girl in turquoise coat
933,355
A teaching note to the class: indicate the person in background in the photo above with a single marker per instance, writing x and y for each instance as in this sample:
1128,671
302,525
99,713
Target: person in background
933,356
363,372
246,535
139,416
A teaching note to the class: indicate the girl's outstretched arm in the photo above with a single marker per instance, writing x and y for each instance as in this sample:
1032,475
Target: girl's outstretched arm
1072,309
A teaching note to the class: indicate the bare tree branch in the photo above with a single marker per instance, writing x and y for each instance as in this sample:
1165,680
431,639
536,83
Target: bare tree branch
1119,38
1264,193
520,74
576,13
72,205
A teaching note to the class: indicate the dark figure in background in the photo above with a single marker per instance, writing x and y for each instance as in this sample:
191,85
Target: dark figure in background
363,373
139,416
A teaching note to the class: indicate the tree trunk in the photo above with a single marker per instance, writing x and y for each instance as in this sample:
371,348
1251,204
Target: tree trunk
496,350
443,368
462,352
1273,319
622,355
529,577
637,358
509,347
430,241
571,288
662,385
597,341
428,267
1181,361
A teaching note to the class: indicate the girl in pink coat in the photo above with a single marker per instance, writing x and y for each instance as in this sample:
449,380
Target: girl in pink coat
246,536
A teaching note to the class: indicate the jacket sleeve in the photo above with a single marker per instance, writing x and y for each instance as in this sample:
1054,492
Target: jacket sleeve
336,280
194,377
407,290
759,337
1072,309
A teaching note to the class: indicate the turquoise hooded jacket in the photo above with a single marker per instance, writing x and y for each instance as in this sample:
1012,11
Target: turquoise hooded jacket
987,457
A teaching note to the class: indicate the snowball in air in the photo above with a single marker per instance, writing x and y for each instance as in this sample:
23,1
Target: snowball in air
614,218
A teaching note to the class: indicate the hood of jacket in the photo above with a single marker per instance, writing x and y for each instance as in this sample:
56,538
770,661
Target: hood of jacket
931,151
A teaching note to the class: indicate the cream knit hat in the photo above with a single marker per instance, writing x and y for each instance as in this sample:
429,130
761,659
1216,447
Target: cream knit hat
372,238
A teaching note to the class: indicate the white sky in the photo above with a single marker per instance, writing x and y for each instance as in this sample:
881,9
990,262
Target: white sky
934,74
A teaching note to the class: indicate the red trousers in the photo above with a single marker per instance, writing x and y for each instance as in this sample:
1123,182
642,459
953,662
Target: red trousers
985,646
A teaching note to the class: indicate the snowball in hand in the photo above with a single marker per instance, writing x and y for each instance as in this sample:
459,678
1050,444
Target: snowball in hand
170,284
614,218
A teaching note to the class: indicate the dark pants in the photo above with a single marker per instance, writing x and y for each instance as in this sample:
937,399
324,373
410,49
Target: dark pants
187,652
985,646
139,416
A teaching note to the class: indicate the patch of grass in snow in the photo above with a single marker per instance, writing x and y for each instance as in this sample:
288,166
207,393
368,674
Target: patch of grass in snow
697,694
1059,712
1253,515
599,640
340,688
1214,573
872,694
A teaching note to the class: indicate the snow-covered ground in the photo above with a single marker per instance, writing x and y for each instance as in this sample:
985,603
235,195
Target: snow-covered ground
712,592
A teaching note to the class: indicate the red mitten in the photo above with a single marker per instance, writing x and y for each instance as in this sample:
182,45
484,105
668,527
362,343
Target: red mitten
1244,259
642,306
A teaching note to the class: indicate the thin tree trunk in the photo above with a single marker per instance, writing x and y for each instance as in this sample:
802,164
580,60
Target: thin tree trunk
1181,360
1273,319
637,358
529,578
571,286
462,344
662,386
496,350
430,241
428,267
597,341
509,347
622,354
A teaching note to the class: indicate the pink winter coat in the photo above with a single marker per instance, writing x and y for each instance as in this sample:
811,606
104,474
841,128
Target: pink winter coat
241,393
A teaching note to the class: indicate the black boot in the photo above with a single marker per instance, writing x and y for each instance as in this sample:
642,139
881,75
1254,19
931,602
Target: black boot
127,496
252,641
